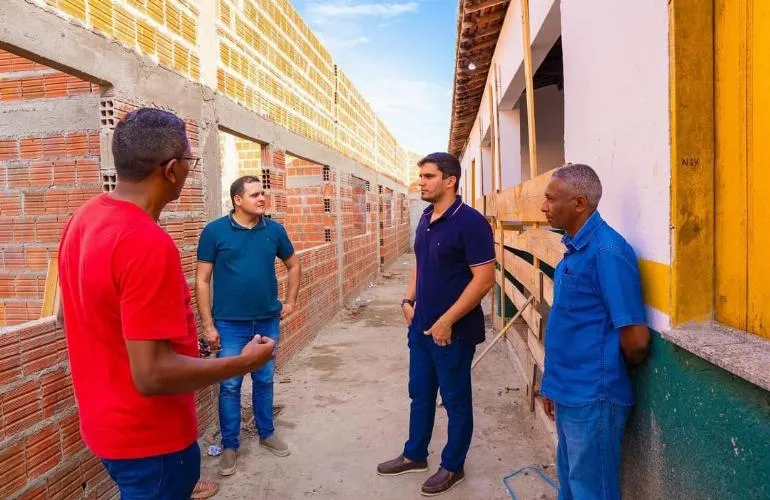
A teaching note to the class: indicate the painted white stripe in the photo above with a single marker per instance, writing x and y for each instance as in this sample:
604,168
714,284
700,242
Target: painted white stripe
657,320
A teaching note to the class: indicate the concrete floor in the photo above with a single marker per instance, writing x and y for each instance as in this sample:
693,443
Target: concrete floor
346,408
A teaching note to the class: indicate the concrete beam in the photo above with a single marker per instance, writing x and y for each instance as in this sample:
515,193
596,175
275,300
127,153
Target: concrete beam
39,34
28,118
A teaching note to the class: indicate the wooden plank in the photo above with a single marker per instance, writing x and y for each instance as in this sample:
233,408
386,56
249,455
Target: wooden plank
528,75
532,318
50,295
537,349
523,272
523,201
543,244
546,288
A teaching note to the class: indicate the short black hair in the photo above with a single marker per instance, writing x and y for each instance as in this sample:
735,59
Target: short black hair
238,187
447,164
144,139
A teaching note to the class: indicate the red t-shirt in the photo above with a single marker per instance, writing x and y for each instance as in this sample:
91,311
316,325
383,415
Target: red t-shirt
121,279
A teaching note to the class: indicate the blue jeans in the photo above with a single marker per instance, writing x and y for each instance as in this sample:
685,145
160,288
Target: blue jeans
449,368
588,454
164,477
233,336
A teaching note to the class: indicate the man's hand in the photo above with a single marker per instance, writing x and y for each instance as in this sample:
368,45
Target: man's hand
258,351
441,331
211,334
548,408
408,311
288,310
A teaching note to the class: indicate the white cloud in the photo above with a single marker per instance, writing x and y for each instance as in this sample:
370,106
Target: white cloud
320,11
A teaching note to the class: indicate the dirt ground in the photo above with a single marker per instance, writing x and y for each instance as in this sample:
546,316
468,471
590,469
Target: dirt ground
345,408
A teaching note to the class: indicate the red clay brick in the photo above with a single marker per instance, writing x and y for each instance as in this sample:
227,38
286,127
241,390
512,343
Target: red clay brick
55,146
26,286
14,258
34,203
38,349
18,63
37,258
42,451
76,86
66,482
10,203
64,173
31,148
38,492
32,88
72,443
18,175
22,407
13,473
41,173
10,90
57,392
55,85
24,231
56,201
48,230
93,471
9,149
77,144
10,359
88,171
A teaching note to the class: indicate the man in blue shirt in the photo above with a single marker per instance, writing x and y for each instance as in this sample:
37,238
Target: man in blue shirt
596,328
455,256
240,248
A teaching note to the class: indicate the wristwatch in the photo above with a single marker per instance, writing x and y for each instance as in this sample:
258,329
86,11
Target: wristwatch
407,301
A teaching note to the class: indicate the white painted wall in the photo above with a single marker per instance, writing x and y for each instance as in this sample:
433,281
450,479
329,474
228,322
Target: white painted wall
549,123
229,168
617,112
510,147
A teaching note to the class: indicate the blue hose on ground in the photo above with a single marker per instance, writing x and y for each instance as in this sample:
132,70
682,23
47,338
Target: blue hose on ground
532,469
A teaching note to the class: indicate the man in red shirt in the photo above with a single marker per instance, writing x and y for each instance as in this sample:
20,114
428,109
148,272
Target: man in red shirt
131,334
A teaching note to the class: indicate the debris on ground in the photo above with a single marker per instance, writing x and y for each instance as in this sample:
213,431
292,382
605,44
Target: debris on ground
214,450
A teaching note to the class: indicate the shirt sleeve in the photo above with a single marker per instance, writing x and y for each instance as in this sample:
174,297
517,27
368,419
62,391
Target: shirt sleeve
479,243
285,248
207,245
621,287
151,289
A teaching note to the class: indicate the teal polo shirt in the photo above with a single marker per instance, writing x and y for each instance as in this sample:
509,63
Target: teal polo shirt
245,286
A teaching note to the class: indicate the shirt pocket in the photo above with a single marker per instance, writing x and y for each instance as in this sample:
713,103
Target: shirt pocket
577,293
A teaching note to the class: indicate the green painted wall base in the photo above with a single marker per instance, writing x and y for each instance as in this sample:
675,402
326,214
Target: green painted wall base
697,431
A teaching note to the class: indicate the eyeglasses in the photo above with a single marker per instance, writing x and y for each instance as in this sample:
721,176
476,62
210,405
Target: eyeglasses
193,160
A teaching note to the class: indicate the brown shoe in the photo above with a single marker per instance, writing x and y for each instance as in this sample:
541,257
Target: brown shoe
441,482
227,462
401,465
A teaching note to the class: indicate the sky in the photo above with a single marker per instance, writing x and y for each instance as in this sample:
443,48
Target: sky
400,56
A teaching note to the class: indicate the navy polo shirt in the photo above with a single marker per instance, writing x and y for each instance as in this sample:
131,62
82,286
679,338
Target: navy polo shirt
446,249
245,286
597,291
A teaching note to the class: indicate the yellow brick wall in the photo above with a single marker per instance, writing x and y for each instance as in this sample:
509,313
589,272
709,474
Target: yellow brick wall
269,60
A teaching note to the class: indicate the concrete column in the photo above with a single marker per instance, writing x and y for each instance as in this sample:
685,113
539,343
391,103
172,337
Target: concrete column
208,42
230,169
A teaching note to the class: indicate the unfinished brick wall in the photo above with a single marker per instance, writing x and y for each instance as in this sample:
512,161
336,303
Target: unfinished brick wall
43,177
359,250
308,203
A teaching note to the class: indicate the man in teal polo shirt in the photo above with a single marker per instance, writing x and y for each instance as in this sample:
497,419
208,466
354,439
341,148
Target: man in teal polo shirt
240,248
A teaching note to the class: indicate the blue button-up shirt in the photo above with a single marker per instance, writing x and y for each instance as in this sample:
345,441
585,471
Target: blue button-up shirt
446,249
597,291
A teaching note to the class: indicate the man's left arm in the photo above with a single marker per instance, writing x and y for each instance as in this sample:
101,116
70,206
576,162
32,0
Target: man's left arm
622,292
479,246
293,267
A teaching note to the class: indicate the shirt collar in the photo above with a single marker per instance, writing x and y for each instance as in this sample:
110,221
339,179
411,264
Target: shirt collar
458,203
237,225
584,234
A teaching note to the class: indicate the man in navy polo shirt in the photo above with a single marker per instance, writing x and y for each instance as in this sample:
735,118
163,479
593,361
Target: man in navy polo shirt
596,327
240,248
455,256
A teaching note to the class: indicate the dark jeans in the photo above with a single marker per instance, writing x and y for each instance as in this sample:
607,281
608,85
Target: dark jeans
588,454
164,477
234,335
449,368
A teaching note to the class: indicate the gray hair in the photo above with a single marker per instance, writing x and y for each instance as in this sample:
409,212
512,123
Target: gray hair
581,180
